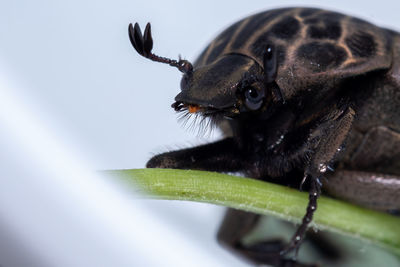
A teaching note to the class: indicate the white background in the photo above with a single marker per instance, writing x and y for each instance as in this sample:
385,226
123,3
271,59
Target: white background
75,97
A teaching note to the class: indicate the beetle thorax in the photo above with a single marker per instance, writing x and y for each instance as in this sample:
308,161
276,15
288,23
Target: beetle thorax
314,46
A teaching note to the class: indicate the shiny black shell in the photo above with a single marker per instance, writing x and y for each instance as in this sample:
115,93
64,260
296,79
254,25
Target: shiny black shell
314,46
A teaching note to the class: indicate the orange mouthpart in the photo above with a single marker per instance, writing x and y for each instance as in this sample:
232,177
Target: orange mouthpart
193,108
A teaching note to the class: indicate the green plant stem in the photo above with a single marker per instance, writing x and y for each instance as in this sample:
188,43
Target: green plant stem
265,198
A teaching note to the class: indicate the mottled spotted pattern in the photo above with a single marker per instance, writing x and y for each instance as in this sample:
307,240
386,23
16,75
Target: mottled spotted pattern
313,45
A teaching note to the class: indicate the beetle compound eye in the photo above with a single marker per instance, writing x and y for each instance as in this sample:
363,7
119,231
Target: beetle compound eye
253,98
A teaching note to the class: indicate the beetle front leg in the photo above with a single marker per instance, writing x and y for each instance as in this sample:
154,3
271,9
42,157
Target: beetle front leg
326,141
220,156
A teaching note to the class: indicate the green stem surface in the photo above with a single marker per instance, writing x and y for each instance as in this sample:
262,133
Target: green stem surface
265,198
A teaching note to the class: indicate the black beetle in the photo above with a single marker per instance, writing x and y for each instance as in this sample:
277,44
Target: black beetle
306,97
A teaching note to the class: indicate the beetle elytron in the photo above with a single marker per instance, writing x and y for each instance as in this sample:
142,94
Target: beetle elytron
306,97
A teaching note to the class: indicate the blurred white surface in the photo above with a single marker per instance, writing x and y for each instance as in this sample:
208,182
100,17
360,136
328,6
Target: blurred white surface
75,97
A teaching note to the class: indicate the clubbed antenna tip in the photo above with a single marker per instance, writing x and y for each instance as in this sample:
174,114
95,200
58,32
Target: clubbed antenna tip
143,44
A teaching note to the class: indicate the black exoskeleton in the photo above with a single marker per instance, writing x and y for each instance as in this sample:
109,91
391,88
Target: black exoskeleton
306,97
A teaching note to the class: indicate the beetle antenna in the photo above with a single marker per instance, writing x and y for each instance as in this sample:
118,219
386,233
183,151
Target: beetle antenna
143,44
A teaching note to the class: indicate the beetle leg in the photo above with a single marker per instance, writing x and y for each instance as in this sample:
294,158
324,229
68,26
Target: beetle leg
325,141
298,237
379,151
236,225
372,190
377,186
221,156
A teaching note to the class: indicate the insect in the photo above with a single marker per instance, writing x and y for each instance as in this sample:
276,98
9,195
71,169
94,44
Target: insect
307,98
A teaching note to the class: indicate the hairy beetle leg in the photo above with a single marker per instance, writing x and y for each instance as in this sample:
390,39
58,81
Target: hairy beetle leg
220,156
327,138
298,237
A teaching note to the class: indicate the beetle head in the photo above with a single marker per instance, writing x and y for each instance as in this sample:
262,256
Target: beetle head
217,87
232,85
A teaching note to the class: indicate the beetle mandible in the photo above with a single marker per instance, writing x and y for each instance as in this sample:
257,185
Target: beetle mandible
305,97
